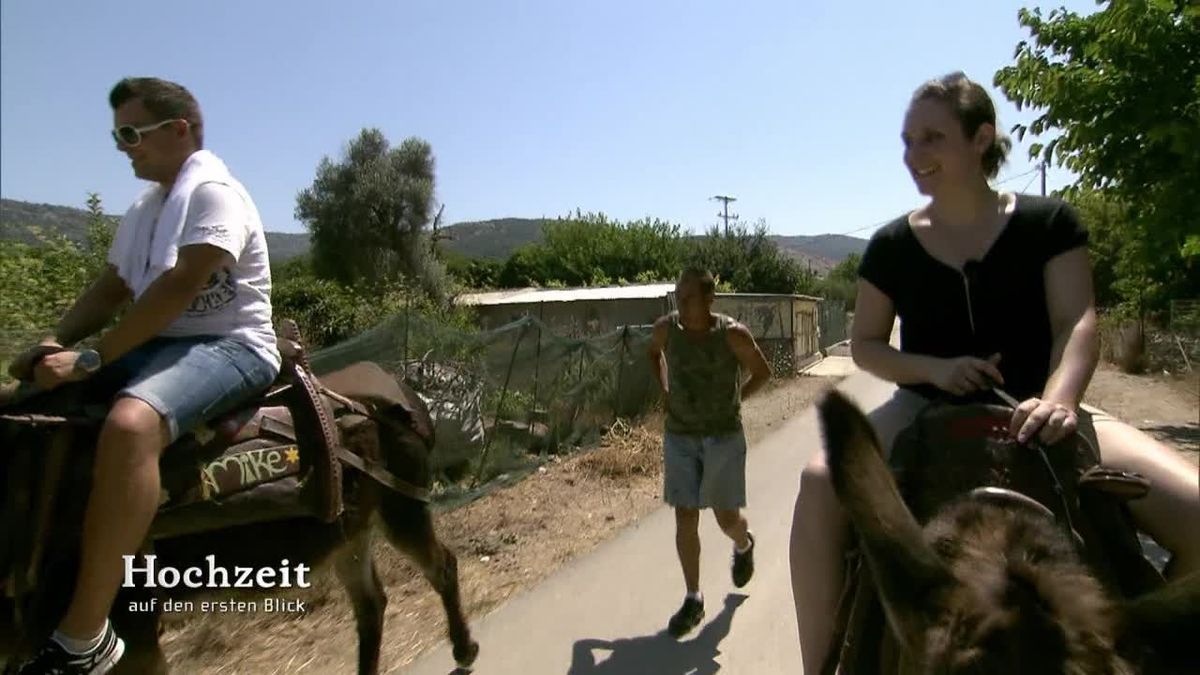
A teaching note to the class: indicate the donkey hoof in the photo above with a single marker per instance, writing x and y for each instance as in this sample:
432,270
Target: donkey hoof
466,656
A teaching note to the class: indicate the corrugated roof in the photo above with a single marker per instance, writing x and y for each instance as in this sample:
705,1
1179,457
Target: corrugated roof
535,295
793,296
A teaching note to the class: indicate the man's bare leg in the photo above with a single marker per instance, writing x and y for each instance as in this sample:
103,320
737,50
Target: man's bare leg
687,545
735,526
122,504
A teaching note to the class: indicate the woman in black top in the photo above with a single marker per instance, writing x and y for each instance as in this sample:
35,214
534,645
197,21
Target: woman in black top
989,287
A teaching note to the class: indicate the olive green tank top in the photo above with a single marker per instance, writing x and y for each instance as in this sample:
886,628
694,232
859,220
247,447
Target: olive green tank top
704,380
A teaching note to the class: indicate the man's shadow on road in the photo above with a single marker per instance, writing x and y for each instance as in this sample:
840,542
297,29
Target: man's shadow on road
658,654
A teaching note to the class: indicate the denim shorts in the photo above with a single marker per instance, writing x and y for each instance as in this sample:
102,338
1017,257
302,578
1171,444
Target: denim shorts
704,472
188,380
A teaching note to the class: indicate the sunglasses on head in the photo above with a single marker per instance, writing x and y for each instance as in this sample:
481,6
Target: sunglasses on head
130,136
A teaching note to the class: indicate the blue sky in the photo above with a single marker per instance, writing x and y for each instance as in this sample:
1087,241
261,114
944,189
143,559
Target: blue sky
532,108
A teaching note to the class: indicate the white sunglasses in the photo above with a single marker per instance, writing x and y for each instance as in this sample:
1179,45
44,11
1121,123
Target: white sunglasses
131,136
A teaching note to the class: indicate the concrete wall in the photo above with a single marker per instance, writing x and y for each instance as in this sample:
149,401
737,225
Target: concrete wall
784,327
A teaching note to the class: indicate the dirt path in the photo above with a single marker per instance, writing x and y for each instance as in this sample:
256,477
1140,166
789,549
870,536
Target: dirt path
1166,407
506,541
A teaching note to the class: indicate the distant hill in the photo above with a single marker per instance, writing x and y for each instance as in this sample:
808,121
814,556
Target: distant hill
283,246
834,247
24,221
495,239
823,251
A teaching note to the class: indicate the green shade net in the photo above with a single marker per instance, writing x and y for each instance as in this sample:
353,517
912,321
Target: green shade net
500,396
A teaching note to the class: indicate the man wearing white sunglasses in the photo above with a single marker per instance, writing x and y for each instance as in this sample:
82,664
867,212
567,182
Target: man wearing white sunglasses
196,341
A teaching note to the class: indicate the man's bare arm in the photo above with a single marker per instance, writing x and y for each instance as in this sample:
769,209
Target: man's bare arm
87,316
94,309
658,343
164,301
750,357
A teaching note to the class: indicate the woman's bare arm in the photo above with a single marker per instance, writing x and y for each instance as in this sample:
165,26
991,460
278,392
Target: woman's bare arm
1072,309
874,315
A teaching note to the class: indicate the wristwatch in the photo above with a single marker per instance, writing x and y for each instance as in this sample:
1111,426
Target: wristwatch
89,361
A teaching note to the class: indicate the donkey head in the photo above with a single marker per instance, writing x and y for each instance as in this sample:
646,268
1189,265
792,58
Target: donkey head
991,584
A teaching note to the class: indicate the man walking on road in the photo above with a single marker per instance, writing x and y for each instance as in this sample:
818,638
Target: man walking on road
704,446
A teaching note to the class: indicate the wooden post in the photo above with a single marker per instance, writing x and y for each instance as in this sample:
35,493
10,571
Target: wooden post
487,438
537,367
620,369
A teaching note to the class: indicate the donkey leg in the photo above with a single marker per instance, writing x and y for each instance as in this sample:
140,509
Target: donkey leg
409,526
356,569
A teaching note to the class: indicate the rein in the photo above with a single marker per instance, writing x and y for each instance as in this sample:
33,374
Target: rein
1064,520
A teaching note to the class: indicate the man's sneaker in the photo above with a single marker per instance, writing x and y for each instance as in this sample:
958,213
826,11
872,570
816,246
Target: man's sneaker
743,564
688,617
53,659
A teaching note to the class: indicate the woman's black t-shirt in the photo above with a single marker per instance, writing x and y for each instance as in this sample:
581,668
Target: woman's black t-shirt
994,305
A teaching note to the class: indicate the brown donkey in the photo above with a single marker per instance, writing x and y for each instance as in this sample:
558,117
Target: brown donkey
992,583
398,440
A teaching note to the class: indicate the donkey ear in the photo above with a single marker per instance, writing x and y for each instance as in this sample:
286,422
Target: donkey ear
905,568
1166,621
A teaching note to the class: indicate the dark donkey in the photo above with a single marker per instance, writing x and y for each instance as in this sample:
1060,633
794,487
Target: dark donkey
381,422
992,582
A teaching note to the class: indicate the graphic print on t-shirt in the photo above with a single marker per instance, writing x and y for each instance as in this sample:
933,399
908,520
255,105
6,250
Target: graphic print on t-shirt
220,290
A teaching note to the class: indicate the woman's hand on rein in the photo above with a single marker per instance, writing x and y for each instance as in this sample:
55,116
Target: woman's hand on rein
1051,421
967,374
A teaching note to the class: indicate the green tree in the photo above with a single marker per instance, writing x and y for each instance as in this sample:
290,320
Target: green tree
473,272
369,215
842,281
100,231
591,250
41,281
1121,87
747,259
1110,228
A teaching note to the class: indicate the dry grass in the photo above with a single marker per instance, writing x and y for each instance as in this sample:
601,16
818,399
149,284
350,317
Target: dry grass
625,451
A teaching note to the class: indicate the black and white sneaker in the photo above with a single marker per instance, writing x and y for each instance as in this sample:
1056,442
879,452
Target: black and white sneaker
53,659
688,617
743,564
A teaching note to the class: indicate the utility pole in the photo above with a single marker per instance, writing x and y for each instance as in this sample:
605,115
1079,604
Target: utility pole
1042,168
725,216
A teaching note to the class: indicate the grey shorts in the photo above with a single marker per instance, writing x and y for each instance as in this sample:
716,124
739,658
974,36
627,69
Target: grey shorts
704,472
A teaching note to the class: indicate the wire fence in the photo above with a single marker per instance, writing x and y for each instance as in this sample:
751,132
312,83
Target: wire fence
502,398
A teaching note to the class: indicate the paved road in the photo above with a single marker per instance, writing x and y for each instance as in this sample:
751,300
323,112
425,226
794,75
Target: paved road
605,612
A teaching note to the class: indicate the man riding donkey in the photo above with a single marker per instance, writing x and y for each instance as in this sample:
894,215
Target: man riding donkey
196,341
704,446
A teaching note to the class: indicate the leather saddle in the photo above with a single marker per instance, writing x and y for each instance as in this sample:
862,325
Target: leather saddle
954,451
277,456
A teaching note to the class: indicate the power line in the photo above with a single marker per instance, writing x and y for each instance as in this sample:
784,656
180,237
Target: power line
881,223
866,227
1019,175
1026,188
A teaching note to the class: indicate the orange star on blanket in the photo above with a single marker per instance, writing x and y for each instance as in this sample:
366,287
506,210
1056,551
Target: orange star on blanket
292,456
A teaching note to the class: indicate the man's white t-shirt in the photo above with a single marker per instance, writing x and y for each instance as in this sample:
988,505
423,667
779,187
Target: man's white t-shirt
236,302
